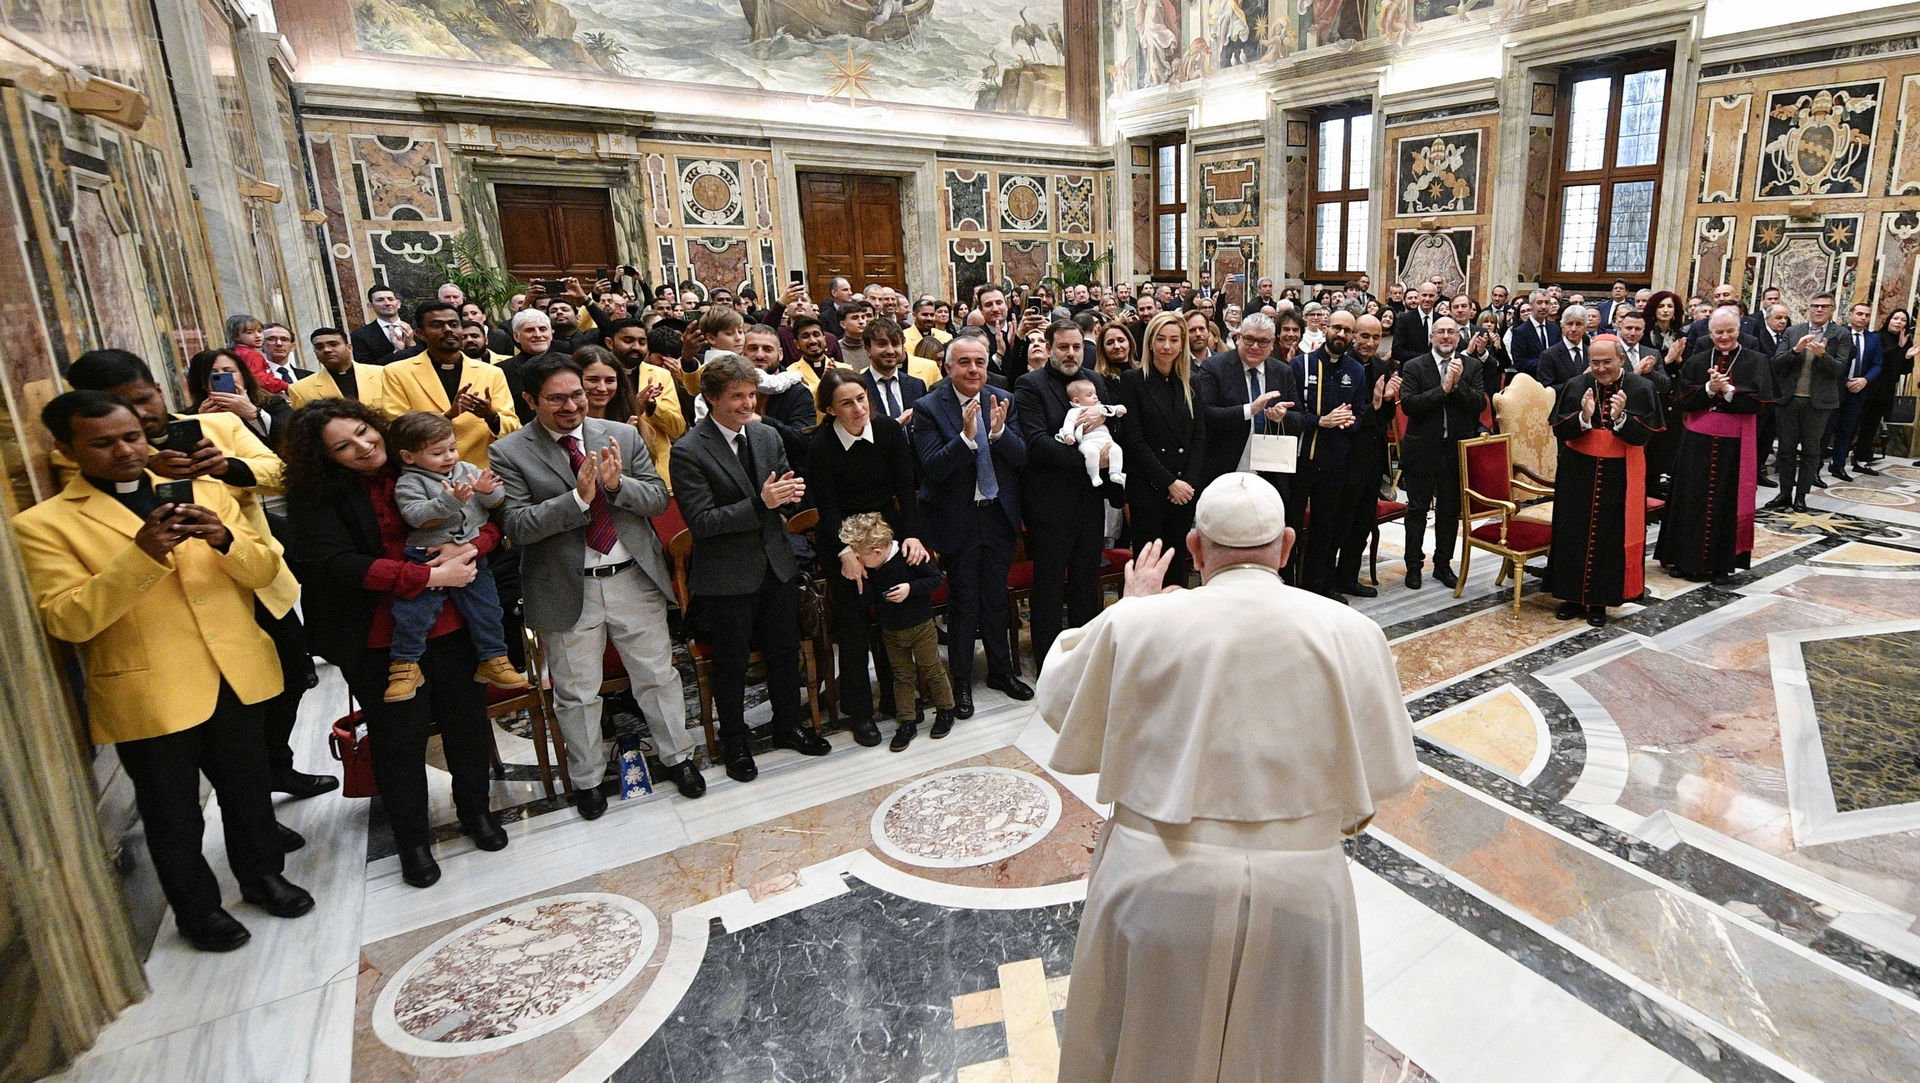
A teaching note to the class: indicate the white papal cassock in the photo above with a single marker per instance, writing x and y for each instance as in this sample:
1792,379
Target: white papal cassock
1240,730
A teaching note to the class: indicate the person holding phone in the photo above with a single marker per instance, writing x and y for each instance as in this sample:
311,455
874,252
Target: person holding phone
158,596
218,382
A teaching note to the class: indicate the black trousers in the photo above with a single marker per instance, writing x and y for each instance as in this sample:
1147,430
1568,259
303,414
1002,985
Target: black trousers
296,669
504,563
1433,483
977,593
1801,428
1066,567
1327,489
852,626
165,772
767,621
1874,410
1362,509
1763,438
450,699
1155,517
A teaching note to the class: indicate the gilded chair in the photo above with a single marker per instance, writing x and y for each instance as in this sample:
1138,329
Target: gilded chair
1489,514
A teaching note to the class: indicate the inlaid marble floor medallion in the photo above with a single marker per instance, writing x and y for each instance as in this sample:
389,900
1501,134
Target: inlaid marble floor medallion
973,816
1860,494
515,974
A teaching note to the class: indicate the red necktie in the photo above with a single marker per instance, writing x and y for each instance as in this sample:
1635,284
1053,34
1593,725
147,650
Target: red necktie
600,532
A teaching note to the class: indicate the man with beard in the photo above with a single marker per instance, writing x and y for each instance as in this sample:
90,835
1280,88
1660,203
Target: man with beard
444,380
1063,509
1603,420
786,401
1708,527
656,407
1334,400
1367,457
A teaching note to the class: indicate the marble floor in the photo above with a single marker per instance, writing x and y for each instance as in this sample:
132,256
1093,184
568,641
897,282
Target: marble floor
1685,846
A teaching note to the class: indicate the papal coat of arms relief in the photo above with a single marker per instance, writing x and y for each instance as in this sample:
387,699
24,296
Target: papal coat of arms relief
1819,141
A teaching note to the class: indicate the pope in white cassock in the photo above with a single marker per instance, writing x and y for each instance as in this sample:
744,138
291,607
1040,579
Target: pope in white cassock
1241,730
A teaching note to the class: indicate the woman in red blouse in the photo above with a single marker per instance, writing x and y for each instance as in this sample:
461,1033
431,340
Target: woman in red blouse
348,542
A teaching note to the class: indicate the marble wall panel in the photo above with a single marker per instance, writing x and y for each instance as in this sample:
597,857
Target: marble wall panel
1533,239
720,261
1074,215
1142,219
1421,254
1437,174
1803,257
1028,212
1024,262
1818,140
1297,240
399,177
1723,150
966,193
1439,168
1230,192
1023,203
1712,254
1899,248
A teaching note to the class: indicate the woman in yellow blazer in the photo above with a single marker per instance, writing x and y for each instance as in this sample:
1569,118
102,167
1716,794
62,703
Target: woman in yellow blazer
487,411
162,606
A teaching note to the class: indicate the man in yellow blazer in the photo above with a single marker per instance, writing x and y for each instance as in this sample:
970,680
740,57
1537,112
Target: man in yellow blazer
659,419
444,380
158,594
340,376
231,453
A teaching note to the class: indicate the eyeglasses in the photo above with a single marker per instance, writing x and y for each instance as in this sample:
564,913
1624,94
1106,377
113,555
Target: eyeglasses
562,400
1250,340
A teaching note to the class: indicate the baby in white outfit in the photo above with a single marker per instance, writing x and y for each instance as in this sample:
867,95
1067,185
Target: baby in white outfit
1097,439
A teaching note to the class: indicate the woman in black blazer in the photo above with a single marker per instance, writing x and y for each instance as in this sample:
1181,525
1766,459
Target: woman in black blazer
347,548
859,461
1165,442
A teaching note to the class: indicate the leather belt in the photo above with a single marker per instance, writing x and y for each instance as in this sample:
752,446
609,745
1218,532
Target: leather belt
606,571
986,503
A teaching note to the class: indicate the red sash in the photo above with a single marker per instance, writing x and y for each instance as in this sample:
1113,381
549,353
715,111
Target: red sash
1745,428
1601,443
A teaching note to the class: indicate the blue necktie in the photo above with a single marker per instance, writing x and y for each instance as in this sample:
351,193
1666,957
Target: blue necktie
1253,395
984,480
888,394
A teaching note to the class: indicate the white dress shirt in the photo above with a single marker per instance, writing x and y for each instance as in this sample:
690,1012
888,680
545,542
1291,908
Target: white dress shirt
594,557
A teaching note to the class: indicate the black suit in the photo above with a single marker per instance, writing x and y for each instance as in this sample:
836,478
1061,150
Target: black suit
1221,385
1064,512
1437,420
1366,462
1410,332
791,414
742,574
910,390
1561,363
371,346
1166,441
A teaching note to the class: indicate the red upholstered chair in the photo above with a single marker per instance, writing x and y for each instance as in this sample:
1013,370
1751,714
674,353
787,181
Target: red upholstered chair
1019,586
1384,511
1488,510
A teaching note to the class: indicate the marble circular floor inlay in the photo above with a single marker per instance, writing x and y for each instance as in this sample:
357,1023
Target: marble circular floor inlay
973,816
515,974
1860,494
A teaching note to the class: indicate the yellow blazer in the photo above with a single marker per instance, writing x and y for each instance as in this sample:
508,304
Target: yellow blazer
370,379
231,435
157,637
912,336
923,370
666,424
414,385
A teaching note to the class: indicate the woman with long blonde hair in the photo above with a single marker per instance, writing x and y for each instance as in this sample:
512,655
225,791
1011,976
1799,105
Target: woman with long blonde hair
1165,441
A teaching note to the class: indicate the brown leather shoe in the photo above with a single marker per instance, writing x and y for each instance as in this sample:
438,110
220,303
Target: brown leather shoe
499,672
403,681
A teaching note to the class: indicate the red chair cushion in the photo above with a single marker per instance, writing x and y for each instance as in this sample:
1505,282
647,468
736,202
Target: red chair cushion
1654,504
1490,471
1520,534
1020,576
669,523
1112,560
700,649
1384,510
612,668
501,695
939,594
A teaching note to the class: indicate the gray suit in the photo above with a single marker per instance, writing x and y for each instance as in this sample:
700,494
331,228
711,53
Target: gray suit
1800,421
577,614
736,539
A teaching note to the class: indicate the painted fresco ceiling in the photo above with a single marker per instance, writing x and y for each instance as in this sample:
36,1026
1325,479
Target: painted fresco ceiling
1005,56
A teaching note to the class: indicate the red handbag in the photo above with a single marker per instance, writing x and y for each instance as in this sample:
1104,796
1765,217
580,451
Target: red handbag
355,753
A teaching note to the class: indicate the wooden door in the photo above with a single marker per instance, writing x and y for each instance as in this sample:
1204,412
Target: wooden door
553,232
851,222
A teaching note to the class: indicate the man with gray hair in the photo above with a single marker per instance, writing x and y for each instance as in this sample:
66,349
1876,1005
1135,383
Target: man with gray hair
1243,392
1220,938
1533,336
1566,358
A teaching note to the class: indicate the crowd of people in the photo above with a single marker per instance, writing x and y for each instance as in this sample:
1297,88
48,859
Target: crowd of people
429,484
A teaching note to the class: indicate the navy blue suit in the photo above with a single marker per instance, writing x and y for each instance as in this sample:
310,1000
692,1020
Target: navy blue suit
1528,345
1322,487
1866,365
911,388
975,540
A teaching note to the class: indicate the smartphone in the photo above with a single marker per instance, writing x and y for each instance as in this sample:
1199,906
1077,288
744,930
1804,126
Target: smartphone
796,277
225,382
555,287
1034,304
173,492
183,434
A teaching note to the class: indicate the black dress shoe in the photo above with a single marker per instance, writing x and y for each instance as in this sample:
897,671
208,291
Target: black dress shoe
1722,579
1014,687
740,765
962,701
1819,482
903,736
417,866
1842,475
290,840
866,733
1445,577
1778,503
590,802
801,740
276,896
1597,616
942,724
1867,470
1766,482
300,786
1569,611
214,931
1801,505
1413,579
687,777
1358,591
1332,595
485,831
